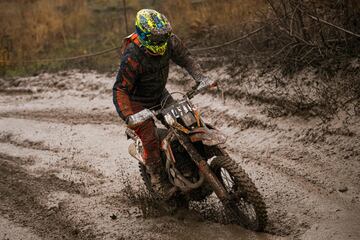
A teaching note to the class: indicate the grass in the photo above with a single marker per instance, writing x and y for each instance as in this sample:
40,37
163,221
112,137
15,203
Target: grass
40,29
60,28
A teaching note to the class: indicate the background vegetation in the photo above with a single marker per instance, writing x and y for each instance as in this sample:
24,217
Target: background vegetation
293,37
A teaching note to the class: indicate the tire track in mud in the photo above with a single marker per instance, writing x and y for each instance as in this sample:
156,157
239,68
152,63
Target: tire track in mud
14,140
293,192
19,160
21,195
302,177
23,144
65,200
300,168
241,123
65,116
291,147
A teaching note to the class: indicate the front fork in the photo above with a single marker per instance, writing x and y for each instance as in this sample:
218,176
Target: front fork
204,168
213,180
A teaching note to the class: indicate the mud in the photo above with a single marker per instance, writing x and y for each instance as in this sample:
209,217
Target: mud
65,172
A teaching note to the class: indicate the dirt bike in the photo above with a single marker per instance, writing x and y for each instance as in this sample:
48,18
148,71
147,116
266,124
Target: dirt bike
196,164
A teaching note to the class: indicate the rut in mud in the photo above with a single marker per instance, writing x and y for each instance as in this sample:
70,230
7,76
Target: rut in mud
65,172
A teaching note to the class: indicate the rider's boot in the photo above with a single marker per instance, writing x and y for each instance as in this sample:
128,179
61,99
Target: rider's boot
162,188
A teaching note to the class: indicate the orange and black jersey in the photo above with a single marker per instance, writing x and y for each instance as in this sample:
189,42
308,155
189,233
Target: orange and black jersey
142,76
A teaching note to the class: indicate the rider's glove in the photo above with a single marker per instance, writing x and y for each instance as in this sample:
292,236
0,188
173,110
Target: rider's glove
205,82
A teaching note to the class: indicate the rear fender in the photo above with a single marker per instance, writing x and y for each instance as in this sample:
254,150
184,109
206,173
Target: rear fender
135,151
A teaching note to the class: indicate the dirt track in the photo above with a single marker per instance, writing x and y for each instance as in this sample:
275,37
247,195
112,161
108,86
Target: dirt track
64,161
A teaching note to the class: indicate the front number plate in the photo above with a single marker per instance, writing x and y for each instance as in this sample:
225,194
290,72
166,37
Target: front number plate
179,110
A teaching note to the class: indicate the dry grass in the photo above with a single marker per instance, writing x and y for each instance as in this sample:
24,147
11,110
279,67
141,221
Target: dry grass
213,19
61,28
37,26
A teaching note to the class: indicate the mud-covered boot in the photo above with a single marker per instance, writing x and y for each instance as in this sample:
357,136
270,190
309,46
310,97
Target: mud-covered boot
162,189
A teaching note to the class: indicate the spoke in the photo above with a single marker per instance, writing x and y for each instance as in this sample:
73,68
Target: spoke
246,209
225,177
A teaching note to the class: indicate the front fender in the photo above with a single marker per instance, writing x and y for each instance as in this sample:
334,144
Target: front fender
209,137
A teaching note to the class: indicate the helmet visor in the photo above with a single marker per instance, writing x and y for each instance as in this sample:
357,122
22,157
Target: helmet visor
158,49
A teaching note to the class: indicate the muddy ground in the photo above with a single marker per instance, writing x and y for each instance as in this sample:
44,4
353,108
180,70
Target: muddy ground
65,172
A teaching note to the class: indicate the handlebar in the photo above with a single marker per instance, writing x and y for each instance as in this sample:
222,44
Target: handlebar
190,94
147,113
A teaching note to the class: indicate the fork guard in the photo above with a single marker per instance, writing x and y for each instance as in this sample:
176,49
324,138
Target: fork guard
209,137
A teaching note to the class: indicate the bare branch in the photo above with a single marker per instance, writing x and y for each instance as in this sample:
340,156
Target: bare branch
230,42
333,25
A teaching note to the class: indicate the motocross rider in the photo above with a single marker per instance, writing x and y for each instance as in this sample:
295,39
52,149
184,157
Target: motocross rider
141,79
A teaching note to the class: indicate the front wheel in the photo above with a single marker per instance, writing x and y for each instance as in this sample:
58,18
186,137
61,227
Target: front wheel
245,206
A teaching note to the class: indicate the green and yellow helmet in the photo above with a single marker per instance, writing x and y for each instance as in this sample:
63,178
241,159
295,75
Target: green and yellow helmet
153,30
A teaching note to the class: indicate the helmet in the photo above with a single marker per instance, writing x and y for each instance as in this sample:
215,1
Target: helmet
153,30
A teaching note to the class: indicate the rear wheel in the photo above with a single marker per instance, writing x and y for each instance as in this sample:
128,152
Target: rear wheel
246,206
146,178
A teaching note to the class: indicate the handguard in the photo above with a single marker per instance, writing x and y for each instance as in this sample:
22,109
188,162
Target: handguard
139,117
206,83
